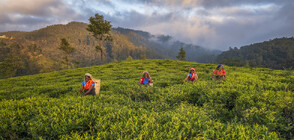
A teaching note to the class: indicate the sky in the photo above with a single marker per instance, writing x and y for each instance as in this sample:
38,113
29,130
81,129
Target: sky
213,24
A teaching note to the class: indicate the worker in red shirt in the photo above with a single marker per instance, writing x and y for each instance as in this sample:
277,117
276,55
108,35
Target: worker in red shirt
219,73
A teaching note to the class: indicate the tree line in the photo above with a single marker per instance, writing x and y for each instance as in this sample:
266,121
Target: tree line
79,49
49,49
276,54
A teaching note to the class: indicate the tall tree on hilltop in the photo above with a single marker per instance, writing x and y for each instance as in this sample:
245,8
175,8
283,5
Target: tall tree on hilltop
64,46
182,54
100,29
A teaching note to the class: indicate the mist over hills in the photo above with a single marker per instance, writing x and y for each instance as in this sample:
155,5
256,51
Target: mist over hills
24,53
169,46
37,51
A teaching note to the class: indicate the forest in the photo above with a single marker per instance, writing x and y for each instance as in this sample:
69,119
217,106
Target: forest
37,51
24,53
276,54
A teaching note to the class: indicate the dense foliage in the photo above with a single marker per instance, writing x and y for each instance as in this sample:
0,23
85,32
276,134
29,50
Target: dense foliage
169,46
39,51
276,54
100,30
182,54
67,49
252,103
17,60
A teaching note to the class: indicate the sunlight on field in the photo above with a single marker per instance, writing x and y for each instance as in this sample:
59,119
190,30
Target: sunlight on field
252,103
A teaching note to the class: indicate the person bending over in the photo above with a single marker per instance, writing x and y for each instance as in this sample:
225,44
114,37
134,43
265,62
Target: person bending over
146,79
88,85
191,76
219,73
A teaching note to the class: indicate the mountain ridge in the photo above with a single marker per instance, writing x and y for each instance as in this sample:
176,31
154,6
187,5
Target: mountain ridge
48,40
24,53
276,54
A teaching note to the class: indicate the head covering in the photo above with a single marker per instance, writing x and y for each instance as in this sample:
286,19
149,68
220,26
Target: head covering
146,73
219,66
91,77
192,68
88,74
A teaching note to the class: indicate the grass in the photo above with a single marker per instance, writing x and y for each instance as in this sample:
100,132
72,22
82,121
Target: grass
252,103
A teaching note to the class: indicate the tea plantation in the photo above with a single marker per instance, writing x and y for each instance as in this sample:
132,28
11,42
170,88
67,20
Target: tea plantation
252,103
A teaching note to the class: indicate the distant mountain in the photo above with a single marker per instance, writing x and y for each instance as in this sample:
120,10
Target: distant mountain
37,51
276,54
168,46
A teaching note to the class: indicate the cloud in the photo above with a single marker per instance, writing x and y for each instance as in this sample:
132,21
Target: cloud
33,7
208,4
26,15
216,24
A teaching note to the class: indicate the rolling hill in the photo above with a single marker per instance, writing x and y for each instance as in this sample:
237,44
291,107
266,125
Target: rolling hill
252,103
276,54
168,46
37,51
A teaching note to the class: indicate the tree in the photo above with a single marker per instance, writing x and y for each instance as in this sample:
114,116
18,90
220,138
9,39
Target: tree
100,29
182,54
64,46
99,49
130,58
143,57
10,66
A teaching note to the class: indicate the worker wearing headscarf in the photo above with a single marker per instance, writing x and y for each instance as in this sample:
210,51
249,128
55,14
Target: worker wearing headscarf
88,85
192,75
219,73
146,79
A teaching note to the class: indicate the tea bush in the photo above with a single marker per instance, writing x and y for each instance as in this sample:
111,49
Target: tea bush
252,103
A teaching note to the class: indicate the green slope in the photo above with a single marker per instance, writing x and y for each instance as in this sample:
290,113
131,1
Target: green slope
38,50
252,103
275,54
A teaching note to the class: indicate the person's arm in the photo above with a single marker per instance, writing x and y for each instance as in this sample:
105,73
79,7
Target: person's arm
91,88
213,75
196,77
151,81
140,82
215,72
224,73
225,76
186,78
82,87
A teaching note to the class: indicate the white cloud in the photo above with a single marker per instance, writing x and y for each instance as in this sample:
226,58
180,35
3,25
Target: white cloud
32,7
209,23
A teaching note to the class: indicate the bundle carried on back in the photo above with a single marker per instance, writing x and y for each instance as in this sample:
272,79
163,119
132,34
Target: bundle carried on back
97,86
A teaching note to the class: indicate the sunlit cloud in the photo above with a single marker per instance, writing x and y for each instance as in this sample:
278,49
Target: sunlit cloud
216,24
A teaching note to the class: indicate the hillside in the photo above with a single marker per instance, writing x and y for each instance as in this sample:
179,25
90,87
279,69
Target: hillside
252,103
169,47
276,54
37,51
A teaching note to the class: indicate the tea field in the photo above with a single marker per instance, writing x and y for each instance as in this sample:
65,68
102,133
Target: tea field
252,103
